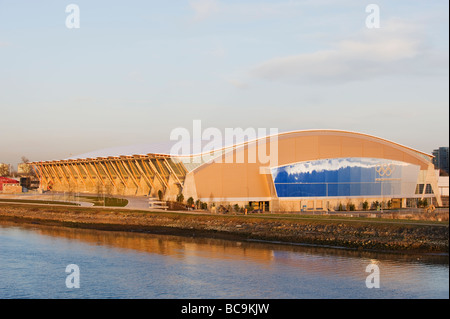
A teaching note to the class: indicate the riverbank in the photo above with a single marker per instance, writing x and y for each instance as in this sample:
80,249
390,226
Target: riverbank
349,233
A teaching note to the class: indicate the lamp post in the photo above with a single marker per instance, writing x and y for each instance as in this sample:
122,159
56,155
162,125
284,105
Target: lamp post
382,196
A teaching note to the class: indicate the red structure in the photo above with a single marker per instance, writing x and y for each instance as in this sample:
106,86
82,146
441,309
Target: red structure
5,180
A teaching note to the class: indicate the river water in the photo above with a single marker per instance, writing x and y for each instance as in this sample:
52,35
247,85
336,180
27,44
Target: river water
33,261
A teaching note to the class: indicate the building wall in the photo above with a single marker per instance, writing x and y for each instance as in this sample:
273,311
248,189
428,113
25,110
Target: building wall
127,175
236,177
346,177
443,185
11,188
334,204
4,181
243,180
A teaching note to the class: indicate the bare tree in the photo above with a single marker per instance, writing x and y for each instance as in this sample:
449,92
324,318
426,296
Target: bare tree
26,167
4,169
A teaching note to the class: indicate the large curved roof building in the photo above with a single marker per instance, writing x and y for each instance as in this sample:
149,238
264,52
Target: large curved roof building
310,169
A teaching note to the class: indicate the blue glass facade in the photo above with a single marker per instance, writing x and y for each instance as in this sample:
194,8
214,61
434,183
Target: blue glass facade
346,177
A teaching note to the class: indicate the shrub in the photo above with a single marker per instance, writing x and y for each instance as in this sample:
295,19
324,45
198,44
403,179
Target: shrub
180,198
375,204
419,203
365,205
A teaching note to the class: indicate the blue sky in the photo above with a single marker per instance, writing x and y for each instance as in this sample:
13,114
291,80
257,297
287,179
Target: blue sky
135,70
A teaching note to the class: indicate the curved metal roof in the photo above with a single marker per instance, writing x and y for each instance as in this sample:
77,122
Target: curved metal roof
167,147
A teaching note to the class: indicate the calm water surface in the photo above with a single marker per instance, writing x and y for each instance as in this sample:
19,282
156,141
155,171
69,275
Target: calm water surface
33,261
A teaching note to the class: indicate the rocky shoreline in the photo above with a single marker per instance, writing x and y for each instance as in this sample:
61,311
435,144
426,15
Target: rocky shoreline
380,236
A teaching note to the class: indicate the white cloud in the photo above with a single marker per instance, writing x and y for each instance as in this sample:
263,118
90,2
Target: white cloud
204,8
238,84
255,10
396,48
217,50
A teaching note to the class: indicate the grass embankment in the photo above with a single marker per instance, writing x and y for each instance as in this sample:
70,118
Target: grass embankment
341,217
72,201
355,233
37,201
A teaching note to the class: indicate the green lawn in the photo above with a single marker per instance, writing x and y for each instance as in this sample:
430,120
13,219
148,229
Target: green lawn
104,201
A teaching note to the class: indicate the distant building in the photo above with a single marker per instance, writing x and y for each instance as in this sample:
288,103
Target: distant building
12,188
440,159
23,168
443,189
9,185
443,185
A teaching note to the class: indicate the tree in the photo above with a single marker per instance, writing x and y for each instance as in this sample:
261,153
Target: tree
365,205
4,169
389,203
180,198
25,167
190,202
160,195
375,204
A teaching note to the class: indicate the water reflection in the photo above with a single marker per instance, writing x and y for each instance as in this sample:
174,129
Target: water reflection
238,268
181,247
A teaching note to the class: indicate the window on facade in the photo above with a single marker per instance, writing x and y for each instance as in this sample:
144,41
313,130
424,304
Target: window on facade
419,188
343,177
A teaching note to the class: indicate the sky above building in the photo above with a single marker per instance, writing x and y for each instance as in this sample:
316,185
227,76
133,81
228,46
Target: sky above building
135,70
